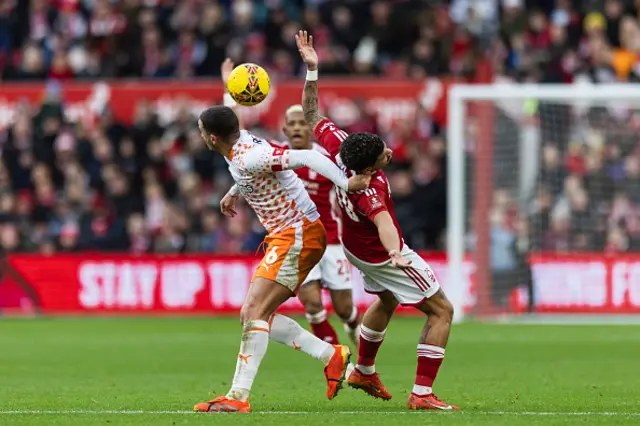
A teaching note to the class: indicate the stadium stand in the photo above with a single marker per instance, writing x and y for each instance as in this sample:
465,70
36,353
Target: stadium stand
149,187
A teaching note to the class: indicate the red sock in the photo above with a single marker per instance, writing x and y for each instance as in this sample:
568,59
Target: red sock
429,361
322,328
370,341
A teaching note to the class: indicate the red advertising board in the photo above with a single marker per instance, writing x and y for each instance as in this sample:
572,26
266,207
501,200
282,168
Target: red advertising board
105,284
584,283
200,284
389,100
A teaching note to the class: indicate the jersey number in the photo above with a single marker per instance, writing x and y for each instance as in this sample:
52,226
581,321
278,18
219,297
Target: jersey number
272,256
344,268
347,206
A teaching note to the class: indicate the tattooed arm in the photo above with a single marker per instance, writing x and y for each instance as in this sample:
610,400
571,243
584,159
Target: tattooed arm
310,103
310,93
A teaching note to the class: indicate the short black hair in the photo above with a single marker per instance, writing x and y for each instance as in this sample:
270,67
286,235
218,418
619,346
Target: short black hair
361,150
220,121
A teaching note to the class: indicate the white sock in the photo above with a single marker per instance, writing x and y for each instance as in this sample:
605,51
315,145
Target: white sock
427,351
318,318
421,390
288,332
255,339
370,336
366,369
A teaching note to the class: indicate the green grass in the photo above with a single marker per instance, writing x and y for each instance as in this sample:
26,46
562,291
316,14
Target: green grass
151,365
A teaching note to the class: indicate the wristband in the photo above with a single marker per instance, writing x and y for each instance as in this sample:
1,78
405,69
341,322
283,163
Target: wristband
312,75
228,100
393,253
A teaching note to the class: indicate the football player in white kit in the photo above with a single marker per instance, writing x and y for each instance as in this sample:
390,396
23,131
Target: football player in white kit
334,270
296,242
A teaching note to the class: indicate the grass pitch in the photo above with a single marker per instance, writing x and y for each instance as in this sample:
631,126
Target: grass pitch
132,371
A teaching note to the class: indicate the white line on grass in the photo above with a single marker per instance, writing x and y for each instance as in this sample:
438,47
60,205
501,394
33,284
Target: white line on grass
177,412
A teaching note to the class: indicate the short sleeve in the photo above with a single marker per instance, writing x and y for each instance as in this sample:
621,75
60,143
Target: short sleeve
265,159
371,202
329,136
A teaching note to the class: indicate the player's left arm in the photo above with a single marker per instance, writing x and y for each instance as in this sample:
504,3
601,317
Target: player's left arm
372,204
310,105
390,239
225,71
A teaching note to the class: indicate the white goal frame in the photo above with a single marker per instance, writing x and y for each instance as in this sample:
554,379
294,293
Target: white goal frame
460,94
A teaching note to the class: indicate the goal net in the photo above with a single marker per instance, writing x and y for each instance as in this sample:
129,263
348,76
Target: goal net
544,199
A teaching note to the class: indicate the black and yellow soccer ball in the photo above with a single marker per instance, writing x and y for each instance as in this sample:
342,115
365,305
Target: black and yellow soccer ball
249,84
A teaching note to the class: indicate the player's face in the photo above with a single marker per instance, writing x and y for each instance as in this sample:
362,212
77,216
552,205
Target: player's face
206,137
384,159
297,130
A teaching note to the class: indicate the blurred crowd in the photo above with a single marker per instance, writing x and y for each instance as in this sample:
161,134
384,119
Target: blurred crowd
67,39
146,187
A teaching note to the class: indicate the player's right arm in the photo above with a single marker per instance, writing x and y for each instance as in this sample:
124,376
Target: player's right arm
266,159
310,105
228,202
328,135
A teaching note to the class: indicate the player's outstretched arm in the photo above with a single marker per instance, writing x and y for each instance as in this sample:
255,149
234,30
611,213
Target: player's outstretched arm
390,239
225,71
310,105
325,167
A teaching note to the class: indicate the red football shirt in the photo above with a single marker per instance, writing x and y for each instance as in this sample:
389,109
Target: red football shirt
322,193
359,235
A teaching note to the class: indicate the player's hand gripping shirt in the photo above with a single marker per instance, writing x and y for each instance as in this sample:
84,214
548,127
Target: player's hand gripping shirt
359,234
322,193
264,176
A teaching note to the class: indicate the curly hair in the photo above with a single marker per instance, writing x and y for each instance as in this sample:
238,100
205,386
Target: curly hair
361,150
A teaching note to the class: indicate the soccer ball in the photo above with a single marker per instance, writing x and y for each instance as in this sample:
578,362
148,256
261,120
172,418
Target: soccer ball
249,84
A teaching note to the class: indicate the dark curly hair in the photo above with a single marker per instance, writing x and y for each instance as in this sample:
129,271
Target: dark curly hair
361,150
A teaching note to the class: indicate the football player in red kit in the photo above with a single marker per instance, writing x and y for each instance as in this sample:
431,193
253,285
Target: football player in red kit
334,270
373,243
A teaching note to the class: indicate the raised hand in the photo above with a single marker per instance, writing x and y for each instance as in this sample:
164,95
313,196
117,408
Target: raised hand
225,70
307,52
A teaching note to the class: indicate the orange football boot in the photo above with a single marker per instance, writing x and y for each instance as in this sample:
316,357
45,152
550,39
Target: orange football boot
429,402
222,404
370,383
336,369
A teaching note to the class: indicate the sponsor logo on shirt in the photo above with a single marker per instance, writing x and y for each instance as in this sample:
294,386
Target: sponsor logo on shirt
245,189
325,125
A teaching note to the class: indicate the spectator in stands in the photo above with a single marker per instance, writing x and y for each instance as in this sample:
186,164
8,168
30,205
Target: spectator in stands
152,186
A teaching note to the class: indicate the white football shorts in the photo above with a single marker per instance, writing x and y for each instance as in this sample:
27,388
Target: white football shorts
333,270
411,287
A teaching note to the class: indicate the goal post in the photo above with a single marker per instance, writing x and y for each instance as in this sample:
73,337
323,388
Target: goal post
496,137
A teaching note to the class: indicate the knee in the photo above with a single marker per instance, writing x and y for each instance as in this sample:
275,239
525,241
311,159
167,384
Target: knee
311,299
251,312
344,311
313,306
446,314
344,308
